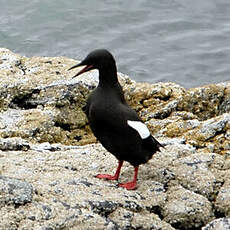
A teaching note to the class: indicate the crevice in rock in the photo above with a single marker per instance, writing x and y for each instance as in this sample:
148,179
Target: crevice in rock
181,226
63,126
217,133
156,210
20,66
166,186
70,167
220,106
78,138
115,226
24,101
132,206
165,98
219,214
162,114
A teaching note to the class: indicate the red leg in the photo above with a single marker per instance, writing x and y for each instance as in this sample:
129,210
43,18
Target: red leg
111,177
132,184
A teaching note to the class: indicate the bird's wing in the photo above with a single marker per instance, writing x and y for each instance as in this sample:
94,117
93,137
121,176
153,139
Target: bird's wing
134,122
137,124
140,127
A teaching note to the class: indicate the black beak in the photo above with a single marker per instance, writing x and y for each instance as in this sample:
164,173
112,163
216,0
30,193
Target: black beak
85,69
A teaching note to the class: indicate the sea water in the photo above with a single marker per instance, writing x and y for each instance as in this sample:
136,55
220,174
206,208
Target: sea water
182,41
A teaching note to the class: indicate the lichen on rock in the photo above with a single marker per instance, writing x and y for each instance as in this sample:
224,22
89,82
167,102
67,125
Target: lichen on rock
49,155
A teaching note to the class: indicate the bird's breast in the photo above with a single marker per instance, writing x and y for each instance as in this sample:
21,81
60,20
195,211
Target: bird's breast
101,113
102,104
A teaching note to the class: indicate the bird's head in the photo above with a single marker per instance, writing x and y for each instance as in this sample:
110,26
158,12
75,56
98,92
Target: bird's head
100,59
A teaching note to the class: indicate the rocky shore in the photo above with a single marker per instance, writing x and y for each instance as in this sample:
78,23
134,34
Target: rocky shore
48,155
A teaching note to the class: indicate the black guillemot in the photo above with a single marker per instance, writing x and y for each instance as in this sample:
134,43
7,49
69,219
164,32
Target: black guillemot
117,126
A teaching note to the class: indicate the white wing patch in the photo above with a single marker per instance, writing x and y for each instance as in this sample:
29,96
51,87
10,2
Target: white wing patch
140,127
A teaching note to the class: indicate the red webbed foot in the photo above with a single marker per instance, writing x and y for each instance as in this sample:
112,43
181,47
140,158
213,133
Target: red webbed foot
132,184
107,176
129,185
111,177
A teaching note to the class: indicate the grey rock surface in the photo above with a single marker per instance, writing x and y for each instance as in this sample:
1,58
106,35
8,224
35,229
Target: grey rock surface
15,191
55,187
49,157
218,224
14,143
222,203
186,209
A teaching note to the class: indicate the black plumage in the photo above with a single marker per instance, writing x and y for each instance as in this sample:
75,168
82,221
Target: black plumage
117,126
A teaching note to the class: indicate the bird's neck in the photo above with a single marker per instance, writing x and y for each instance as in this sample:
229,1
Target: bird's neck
108,76
110,85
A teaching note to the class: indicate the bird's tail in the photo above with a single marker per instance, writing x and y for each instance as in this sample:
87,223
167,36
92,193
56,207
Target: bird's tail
157,144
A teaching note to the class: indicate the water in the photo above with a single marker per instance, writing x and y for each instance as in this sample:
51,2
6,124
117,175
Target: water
183,41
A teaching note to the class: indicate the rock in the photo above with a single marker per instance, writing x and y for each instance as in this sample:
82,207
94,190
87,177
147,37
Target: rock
40,102
180,188
211,134
47,172
153,100
15,143
103,208
133,220
204,101
66,193
218,224
186,209
14,191
193,173
223,199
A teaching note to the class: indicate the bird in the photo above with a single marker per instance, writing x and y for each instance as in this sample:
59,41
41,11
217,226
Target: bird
113,122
